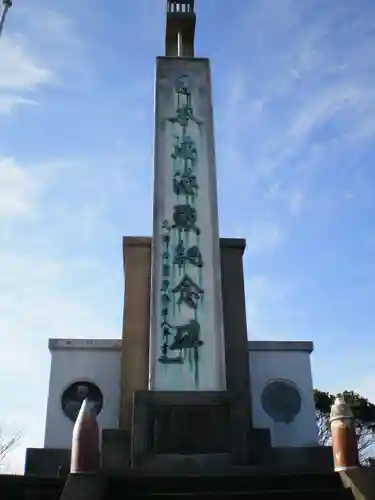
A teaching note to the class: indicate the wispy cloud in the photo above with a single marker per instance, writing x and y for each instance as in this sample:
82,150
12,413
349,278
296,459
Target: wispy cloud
37,54
19,190
263,295
20,74
263,238
18,70
311,100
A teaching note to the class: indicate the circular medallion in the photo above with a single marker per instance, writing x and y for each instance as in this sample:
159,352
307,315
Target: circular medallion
73,396
281,400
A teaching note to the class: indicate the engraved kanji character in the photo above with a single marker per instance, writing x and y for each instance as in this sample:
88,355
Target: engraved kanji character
166,239
183,85
165,300
185,218
185,149
192,255
187,336
183,115
166,270
189,292
185,183
164,285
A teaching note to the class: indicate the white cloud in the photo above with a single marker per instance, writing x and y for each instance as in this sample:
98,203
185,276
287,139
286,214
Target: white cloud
8,102
56,34
18,189
263,238
19,71
37,58
263,295
307,100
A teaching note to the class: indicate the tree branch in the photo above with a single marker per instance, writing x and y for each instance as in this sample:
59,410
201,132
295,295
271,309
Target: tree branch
6,446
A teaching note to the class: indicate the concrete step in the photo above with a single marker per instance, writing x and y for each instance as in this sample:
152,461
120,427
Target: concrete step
234,483
30,487
252,495
254,486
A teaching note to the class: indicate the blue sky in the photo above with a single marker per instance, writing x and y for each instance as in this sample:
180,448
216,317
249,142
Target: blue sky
294,98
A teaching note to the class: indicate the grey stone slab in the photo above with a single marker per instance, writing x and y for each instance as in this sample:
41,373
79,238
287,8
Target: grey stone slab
83,487
116,444
302,458
47,462
183,424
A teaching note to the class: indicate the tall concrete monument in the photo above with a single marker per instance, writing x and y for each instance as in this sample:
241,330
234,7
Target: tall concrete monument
186,328
183,389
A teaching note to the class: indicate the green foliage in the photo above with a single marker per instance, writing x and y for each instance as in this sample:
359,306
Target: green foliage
323,401
363,412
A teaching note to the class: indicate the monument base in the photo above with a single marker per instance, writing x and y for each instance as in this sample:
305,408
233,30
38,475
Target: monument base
196,432
189,429
179,433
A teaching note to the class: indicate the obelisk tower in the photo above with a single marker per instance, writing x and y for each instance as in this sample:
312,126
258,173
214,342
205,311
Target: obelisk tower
186,320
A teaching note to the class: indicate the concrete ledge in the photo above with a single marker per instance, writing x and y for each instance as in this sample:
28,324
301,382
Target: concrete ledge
47,462
280,345
136,241
115,345
306,458
239,243
361,482
175,465
204,59
86,344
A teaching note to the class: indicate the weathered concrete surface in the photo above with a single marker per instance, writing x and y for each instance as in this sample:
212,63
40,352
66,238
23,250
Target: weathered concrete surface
83,487
361,481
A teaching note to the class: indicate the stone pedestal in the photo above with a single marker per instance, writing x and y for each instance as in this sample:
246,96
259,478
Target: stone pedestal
188,430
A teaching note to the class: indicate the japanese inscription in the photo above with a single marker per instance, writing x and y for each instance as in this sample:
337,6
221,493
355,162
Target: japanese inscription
191,255
185,183
185,218
189,293
181,288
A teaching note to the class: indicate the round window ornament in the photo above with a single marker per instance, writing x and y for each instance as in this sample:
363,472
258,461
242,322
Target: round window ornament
281,400
73,396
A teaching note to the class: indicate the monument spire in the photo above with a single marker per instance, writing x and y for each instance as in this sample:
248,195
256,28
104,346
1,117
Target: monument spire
180,28
186,320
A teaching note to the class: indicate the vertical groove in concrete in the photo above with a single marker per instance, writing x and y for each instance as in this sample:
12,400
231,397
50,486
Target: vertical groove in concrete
235,337
136,323
234,310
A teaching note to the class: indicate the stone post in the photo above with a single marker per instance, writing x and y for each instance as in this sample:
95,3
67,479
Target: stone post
85,442
344,438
